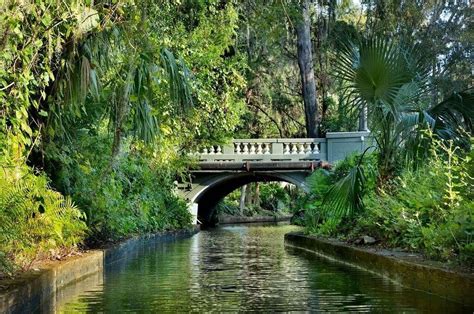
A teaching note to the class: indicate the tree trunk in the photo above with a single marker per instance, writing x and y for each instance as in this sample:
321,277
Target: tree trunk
117,142
242,199
248,196
118,124
363,119
305,63
256,194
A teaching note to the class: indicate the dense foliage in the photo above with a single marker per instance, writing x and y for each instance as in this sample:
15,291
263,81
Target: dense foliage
413,191
98,103
429,209
260,199
35,221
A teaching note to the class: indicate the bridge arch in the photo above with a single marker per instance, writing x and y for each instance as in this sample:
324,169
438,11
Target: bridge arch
221,169
208,191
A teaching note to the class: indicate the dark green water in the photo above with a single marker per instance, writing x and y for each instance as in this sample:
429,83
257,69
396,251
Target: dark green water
243,268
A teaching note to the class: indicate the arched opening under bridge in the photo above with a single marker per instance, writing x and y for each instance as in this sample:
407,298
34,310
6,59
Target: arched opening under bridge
207,194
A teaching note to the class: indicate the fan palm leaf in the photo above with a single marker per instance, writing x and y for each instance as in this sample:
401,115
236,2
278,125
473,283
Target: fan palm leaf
345,197
454,113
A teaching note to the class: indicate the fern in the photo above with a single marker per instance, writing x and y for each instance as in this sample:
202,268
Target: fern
35,221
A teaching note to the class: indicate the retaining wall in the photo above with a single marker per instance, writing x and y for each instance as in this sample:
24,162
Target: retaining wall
43,289
402,268
241,219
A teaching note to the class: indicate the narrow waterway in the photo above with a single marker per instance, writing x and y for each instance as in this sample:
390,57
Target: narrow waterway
243,268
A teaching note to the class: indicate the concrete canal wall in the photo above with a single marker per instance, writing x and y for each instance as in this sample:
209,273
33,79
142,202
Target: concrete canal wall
406,269
42,289
241,219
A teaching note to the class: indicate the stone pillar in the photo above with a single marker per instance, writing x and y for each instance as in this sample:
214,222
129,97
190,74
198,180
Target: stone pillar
193,209
228,149
277,148
341,144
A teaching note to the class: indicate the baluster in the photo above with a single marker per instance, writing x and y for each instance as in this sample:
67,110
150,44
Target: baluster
246,149
252,149
308,149
286,148
218,150
211,150
204,151
237,148
294,149
266,150
301,148
259,149
315,149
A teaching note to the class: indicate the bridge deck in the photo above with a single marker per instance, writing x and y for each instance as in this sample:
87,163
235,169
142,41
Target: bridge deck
258,166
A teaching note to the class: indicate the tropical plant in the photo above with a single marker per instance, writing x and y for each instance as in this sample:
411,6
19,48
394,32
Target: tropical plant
454,116
429,209
123,76
338,194
36,222
390,82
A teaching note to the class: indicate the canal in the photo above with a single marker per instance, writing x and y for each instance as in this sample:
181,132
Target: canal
242,268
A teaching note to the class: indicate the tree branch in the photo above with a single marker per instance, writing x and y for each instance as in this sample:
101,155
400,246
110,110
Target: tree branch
268,116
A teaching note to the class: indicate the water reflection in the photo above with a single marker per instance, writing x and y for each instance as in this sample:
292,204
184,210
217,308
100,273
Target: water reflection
241,268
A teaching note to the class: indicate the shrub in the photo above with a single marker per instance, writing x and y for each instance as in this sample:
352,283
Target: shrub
134,196
430,210
320,215
35,221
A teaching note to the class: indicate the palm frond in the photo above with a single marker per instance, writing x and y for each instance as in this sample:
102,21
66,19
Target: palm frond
345,197
379,71
178,79
455,112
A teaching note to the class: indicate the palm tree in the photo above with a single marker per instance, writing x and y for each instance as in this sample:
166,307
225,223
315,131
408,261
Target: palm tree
124,76
390,81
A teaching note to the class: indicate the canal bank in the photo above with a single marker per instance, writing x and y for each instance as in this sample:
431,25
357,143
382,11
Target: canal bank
43,287
231,268
403,268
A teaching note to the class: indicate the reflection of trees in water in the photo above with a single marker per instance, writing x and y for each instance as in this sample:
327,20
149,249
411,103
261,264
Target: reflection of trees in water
341,287
151,278
246,269
242,269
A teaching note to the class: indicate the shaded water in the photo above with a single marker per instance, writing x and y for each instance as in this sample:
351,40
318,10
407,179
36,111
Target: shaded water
243,268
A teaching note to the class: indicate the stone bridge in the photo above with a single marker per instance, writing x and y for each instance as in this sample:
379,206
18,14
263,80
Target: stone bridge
221,169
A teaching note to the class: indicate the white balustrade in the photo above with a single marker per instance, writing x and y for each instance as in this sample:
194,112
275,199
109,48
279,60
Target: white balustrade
301,149
315,149
264,150
237,148
334,147
294,150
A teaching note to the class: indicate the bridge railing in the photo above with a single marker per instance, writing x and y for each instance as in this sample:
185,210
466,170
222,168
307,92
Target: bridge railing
334,146
266,150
